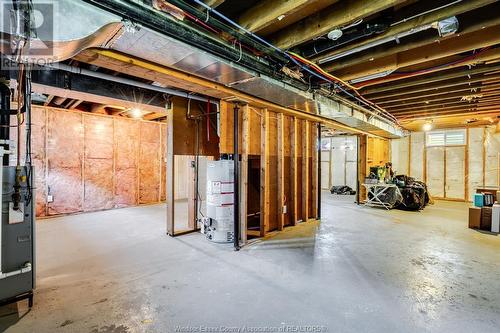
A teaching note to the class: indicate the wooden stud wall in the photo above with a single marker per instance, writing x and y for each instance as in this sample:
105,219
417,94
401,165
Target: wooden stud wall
288,163
90,162
468,154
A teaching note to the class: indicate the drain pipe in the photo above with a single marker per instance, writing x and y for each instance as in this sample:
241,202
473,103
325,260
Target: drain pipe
169,91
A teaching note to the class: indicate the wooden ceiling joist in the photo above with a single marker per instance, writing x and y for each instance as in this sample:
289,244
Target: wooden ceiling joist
441,96
387,49
213,3
335,16
435,66
463,43
453,10
266,13
452,120
436,109
434,114
425,90
433,77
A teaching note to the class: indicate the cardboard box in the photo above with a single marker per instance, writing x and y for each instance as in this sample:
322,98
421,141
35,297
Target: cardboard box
486,215
474,217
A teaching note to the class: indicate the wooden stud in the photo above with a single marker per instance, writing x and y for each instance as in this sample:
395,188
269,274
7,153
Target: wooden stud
305,171
466,182
314,170
170,176
281,173
294,169
245,147
362,167
264,176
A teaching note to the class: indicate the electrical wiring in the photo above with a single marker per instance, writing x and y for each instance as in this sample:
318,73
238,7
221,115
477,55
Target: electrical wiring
336,79
403,75
303,64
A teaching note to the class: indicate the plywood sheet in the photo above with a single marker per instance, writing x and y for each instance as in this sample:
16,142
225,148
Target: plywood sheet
149,163
98,163
475,177
126,143
64,160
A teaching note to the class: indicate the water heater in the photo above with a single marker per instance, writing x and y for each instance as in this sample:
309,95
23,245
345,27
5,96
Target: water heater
219,224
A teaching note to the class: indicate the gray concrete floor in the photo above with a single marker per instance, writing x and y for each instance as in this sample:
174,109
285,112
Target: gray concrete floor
362,270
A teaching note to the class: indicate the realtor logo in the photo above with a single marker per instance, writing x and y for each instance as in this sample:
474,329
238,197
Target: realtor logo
27,31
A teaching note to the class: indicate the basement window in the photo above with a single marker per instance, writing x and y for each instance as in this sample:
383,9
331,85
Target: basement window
446,138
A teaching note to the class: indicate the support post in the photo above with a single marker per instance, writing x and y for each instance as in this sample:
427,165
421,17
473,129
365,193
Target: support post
319,172
169,186
281,172
245,141
236,158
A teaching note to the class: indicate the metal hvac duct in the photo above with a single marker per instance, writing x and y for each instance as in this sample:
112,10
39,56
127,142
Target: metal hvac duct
99,28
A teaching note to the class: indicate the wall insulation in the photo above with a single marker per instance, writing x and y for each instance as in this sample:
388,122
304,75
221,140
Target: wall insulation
452,172
417,144
87,162
339,162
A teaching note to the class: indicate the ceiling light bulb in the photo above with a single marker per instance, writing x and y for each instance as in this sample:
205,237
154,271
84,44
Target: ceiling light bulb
335,34
136,113
427,127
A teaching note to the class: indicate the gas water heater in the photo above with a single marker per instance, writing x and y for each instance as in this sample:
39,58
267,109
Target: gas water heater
219,224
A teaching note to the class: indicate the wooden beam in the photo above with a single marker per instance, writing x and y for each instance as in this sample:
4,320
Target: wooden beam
437,89
362,163
170,175
425,80
264,176
214,3
49,99
281,172
452,121
314,171
294,169
417,22
388,49
464,114
335,16
266,13
143,69
438,99
448,112
305,170
444,105
460,43
245,147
